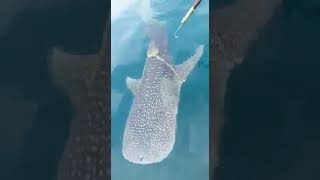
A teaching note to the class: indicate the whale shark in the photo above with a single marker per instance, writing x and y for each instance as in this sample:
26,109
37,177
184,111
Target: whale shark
150,129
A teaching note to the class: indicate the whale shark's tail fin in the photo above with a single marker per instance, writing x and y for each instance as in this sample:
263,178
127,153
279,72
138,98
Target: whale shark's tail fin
154,28
157,34
144,10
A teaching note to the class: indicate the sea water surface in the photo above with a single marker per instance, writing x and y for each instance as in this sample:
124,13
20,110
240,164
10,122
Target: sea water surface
190,156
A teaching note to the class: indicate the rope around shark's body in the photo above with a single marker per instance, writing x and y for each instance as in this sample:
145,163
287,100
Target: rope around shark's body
170,66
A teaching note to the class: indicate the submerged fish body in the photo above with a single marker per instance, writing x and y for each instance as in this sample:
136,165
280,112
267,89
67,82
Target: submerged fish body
150,129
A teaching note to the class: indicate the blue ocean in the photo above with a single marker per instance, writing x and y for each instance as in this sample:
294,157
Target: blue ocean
190,156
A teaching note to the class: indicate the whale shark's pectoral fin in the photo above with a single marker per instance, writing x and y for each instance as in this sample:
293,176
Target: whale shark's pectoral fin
185,68
133,84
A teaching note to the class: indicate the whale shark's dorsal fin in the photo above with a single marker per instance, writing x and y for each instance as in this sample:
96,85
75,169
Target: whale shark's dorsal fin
153,51
133,84
185,68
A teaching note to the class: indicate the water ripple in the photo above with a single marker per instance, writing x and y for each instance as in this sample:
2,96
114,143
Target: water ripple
162,7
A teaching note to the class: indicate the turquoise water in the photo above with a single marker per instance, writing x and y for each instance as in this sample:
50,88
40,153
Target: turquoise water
190,156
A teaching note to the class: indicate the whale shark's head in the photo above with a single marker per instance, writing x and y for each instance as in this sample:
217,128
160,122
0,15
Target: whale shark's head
149,133
136,152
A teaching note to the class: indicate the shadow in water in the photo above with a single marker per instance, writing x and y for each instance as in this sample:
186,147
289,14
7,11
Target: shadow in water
272,99
24,70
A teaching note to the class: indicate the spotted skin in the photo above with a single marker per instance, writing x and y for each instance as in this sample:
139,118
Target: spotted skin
87,153
150,130
149,134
